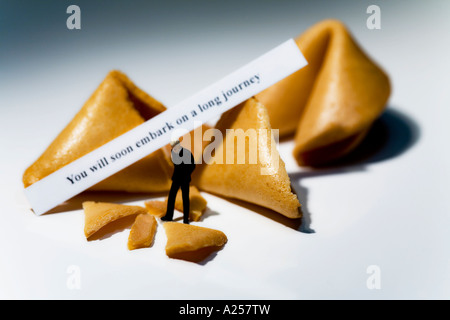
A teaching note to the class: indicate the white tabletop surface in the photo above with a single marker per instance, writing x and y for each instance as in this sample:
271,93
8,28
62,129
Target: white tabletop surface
385,215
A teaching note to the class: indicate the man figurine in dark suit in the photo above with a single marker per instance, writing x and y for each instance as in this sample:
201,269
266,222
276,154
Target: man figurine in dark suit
184,165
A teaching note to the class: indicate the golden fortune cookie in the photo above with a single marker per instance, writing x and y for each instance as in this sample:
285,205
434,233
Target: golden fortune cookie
332,102
265,182
116,107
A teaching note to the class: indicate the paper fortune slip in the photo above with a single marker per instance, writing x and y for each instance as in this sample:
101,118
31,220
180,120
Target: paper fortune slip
177,120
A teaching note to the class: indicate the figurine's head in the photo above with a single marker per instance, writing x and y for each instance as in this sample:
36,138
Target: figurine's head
174,143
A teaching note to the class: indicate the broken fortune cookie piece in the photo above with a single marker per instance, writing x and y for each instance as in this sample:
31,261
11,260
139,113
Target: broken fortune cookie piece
192,243
197,204
142,232
115,107
332,102
99,214
156,208
264,183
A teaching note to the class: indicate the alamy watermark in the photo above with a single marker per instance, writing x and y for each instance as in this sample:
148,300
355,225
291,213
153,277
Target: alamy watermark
373,22
74,20
251,146
73,281
373,282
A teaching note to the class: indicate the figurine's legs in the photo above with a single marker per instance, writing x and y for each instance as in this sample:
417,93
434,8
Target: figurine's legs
171,201
185,194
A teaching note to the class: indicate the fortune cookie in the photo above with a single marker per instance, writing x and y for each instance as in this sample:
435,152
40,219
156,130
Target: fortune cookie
116,107
232,173
332,102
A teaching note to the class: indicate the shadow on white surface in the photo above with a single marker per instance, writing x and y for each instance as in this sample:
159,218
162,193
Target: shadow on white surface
390,136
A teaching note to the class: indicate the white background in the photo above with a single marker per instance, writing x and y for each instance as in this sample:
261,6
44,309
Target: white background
389,209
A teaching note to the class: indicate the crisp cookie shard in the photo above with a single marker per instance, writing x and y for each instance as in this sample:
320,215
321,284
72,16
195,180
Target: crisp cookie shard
99,214
332,102
246,181
115,107
192,243
156,208
197,204
142,232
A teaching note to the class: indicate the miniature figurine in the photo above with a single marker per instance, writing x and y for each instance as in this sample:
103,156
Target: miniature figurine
184,165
